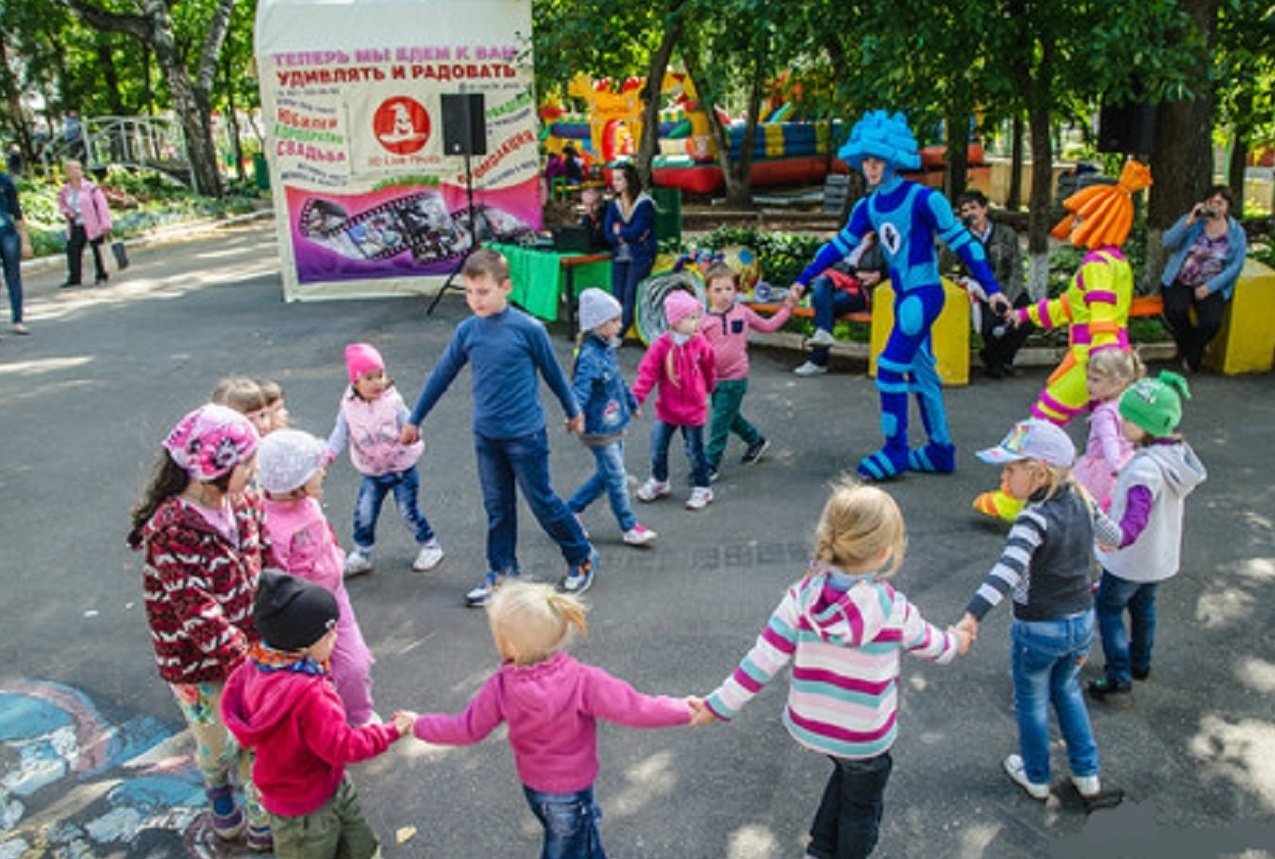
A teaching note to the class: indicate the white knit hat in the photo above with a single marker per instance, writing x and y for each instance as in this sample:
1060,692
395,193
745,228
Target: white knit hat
596,308
287,458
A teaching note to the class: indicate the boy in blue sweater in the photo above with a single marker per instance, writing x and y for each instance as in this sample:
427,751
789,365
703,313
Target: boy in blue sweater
507,349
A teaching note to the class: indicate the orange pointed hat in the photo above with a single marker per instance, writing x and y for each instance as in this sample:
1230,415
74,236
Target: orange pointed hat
1102,214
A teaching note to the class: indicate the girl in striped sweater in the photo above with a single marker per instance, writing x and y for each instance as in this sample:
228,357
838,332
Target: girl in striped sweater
843,627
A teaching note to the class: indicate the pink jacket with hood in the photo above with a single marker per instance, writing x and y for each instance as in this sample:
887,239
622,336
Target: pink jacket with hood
682,402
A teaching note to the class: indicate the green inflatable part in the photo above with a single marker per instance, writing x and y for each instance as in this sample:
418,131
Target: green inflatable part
680,131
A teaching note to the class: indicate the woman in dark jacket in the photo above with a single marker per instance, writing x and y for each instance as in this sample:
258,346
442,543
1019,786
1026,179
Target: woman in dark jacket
630,230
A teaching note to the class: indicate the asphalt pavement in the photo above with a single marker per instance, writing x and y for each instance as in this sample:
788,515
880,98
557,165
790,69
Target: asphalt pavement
93,757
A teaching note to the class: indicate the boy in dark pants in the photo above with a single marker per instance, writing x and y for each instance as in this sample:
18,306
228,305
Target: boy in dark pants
508,350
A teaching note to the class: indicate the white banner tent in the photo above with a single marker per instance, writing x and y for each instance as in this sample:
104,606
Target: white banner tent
368,200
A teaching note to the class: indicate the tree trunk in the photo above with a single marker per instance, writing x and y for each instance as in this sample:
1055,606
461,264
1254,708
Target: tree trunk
650,139
741,195
1015,164
232,114
1236,168
110,75
1039,205
955,173
721,139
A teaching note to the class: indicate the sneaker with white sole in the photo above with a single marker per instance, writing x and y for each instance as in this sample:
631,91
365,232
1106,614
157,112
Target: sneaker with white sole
479,596
579,578
428,557
639,535
1087,786
755,451
701,497
653,489
1017,773
821,337
358,563
810,368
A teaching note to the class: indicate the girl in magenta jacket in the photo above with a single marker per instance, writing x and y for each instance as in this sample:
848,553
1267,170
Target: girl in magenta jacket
88,221
681,364
552,704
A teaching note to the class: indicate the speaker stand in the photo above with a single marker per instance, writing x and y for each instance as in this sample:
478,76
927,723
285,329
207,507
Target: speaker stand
473,242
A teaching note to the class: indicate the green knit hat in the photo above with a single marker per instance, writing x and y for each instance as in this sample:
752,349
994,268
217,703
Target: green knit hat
1155,405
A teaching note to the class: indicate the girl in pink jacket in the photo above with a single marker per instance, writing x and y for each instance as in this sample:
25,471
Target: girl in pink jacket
291,466
552,704
681,363
1109,373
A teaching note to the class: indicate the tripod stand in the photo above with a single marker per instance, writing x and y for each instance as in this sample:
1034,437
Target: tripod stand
473,240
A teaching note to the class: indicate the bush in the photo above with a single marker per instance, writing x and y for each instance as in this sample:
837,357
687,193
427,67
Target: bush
782,256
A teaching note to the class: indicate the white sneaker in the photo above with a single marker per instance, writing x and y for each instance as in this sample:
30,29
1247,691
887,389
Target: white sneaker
1087,786
701,497
428,557
653,489
821,337
639,535
810,369
358,563
1018,774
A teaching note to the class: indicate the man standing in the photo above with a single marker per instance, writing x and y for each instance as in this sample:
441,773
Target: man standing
1001,341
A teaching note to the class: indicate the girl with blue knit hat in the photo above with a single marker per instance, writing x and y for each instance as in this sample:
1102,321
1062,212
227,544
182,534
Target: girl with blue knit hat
1149,503
906,217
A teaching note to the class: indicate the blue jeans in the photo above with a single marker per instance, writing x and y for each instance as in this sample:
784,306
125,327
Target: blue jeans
523,461
1114,596
828,302
11,255
570,821
625,277
848,821
1046,660
372,491
610,478
662,434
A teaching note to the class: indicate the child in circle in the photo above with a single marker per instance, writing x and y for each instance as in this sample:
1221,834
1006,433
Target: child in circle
608,406
844,628
245,396
552,704
272,393
726,327
371,418
1109,373
203,540
681,364
1149,504
280,703
291,468
1045,567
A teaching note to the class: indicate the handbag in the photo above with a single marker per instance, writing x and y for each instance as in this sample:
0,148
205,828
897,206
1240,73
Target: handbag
121,254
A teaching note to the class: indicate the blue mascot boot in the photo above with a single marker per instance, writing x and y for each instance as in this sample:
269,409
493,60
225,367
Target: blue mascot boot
933,458
887,463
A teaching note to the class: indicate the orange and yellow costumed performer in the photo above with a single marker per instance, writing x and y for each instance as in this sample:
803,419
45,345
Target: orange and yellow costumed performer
1095,305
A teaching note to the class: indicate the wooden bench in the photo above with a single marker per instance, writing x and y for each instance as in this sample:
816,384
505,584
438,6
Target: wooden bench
1143,305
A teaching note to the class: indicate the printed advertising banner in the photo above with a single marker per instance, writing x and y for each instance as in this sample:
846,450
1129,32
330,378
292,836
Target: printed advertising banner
368,200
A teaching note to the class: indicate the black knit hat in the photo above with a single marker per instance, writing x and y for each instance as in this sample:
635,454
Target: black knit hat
291,613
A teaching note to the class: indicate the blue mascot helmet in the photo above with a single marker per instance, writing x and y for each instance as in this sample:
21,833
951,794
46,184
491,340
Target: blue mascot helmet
884,136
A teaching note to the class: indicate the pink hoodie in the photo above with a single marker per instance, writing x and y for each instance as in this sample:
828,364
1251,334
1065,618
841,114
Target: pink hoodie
727,333
552,709
683,403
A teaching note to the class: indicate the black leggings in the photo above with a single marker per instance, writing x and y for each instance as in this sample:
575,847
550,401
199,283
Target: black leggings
1192,337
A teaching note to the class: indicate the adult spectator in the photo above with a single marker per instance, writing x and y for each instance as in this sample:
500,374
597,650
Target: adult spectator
88,221
73,134
1207,246
15,243
629,227
1001,341
844,288
572,165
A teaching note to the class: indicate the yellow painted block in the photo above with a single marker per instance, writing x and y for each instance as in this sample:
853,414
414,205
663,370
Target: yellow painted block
950,336
774,140
1246,342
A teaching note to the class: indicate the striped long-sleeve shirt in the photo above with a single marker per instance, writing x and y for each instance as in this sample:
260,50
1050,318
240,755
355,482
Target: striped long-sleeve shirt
1047,557
844,637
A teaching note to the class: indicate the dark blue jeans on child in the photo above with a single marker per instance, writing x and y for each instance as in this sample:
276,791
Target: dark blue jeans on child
570,821
405,485
848,821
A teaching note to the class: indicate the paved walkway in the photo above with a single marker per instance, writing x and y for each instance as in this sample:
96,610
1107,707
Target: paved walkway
91,749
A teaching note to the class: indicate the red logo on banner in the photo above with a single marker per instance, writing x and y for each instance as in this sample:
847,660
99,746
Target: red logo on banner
401,125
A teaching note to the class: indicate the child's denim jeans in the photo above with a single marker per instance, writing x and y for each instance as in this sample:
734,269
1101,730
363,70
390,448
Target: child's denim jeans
570,821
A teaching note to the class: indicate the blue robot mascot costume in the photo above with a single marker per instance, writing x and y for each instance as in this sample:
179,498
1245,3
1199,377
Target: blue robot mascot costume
906,217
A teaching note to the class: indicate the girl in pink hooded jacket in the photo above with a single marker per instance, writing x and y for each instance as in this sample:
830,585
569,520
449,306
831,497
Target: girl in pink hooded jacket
681,363
552,704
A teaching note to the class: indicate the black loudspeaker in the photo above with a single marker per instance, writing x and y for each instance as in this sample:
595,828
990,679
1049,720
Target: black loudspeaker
1128,128
464,124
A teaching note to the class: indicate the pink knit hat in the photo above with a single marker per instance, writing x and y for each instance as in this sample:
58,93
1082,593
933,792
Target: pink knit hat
680,304
362,358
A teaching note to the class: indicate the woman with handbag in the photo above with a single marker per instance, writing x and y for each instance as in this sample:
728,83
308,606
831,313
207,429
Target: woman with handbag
88,221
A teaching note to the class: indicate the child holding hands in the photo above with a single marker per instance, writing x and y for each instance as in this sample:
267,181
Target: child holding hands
844,627
608,406
1109,373
1149,505
681,364
726,327
552,704
280,703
